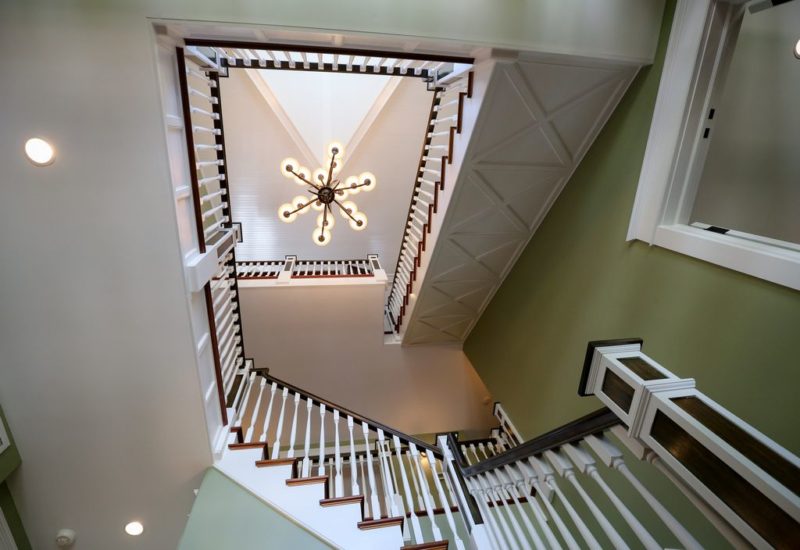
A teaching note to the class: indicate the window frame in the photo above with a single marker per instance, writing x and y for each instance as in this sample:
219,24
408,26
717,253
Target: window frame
701,44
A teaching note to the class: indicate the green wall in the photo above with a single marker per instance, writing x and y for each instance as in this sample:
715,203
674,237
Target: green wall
225,515
579,280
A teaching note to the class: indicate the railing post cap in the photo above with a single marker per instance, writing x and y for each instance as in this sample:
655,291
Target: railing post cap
587,362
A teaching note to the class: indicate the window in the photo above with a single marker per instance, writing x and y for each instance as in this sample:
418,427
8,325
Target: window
721,174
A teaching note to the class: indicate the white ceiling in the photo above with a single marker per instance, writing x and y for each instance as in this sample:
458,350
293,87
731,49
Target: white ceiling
537,119
258,138
325,107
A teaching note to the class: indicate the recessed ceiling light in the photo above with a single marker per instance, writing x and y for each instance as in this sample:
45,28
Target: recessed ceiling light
39,152
134,528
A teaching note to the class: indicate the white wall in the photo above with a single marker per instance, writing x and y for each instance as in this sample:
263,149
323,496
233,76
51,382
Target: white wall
329,340
751,179
97,368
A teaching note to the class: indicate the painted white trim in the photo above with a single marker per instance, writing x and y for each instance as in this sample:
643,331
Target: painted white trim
672,103
667,184
778,265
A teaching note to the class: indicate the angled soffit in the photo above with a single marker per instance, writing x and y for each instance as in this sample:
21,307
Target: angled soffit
537,121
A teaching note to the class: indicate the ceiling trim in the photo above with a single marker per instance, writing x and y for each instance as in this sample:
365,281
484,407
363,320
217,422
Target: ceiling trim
371,115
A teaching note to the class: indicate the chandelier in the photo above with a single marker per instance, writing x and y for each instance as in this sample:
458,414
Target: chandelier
325,190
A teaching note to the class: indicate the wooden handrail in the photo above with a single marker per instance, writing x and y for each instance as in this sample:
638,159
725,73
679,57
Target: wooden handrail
571,432
274,46
347,412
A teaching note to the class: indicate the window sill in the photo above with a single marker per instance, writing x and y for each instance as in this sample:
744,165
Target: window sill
768,262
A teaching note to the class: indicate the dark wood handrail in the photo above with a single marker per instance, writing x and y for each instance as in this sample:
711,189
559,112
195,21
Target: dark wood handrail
275,46
347,412
571,432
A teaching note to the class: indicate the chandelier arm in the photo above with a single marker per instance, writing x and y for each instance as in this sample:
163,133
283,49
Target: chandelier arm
325,216
357,186
345,210
306,205
330,169
317,187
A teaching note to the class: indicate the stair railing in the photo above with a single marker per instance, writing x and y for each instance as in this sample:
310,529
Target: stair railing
202,120
538,494
399,477
445,120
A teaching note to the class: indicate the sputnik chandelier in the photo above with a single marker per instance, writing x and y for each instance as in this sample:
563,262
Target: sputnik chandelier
326,190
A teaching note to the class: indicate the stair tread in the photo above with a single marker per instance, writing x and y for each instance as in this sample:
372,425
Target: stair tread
435,545
251,445
306,480
274,462
383,522
341,500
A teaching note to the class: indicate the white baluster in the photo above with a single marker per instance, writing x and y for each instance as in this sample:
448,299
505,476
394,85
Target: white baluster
482,500
545,473
394,503
321,469
506,478
254,416
427,505
375,506
586,464
500,503
354,489
474,451
483,450
466,455
526,480
276,448
415,526
365,484
567,471
443,499
307,447
245,401
268,417
420,501
612,457
293,433
338,485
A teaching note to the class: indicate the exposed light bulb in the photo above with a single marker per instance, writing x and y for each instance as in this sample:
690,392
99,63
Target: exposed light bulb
342,194
321,237
335,147
348,206
285,209
301,200
797,50
351,185
288,165
317,205
320,176
359,221
306,173
330,221
367,179
39,152
134,528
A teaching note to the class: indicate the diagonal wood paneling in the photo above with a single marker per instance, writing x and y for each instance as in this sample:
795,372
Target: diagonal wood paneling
537,120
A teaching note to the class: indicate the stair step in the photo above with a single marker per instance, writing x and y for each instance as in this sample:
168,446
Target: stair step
376,523
244,446
436,545
341,500
274,462
307,480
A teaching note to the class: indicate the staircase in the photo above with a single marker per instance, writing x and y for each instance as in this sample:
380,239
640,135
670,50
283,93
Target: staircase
370,487
365,485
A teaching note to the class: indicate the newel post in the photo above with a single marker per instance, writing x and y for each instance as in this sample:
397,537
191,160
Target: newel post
745,477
